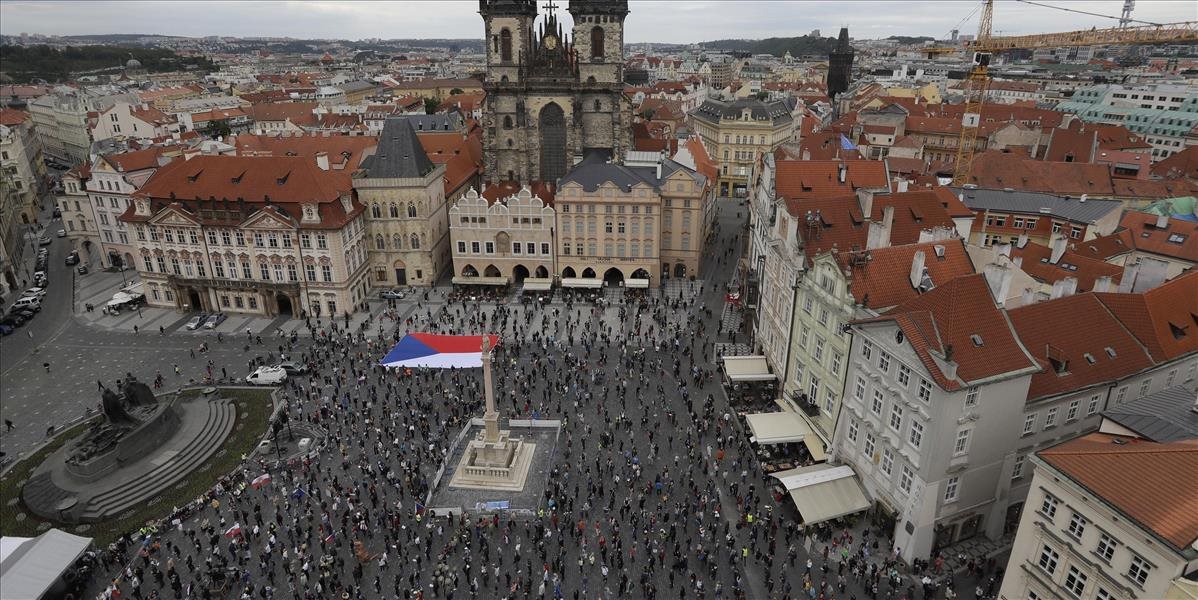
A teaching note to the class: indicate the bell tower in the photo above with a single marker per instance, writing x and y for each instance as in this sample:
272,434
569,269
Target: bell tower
599,39
508,36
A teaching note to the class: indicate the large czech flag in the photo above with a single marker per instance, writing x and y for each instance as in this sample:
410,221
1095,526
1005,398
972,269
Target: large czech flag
434,351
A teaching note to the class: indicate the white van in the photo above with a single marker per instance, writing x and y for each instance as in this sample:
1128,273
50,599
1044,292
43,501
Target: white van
30,302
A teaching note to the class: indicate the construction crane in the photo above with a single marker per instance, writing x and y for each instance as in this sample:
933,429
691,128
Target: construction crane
985,45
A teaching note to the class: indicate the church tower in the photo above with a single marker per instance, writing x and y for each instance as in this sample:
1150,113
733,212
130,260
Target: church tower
551,99
840,65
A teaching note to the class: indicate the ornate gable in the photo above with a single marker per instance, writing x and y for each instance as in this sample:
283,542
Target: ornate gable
174,216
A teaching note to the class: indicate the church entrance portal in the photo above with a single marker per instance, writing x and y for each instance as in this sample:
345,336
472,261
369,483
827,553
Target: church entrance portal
284,304
553,142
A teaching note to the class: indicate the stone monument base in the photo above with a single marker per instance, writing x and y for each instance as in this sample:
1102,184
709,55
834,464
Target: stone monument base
498,465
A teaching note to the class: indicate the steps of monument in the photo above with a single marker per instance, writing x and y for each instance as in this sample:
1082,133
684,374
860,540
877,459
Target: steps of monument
41,491
219,422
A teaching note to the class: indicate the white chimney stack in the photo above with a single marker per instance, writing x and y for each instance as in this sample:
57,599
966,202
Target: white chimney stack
917,262
322,160
1022,240
842,172
1058,245
1162,221
1103,284
865,200
878,235
999,279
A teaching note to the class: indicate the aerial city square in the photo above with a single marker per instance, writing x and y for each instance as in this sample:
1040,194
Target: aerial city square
599,299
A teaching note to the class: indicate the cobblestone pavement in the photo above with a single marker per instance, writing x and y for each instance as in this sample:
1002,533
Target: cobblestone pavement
652,493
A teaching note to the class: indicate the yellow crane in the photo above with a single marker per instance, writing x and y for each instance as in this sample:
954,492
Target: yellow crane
983,47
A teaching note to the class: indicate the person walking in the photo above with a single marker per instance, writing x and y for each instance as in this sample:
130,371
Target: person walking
8,426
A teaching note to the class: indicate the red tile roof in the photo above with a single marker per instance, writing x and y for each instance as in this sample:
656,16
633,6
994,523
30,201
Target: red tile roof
1180,165
300,113
820,145
461,155
1143,480
265,96
799,179
883,279
842,227
12,116
947,319
1140,189
1178,240
219,181
1164,319
1035,262
219,114
997,170
703,161
1105,247
1080,334
129,162
345,152
505,189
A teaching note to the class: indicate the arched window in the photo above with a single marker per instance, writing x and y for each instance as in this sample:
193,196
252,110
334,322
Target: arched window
505,45
507,122
397,241
596,42
598,105
415,242
378,242
393,211
375,211
510,143
411,211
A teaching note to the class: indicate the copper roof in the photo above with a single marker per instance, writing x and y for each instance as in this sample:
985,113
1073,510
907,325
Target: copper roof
1143,480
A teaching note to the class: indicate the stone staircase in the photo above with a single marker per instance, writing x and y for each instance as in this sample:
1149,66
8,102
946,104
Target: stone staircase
199,445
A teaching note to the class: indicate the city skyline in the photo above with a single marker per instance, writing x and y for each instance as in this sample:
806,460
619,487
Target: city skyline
692,21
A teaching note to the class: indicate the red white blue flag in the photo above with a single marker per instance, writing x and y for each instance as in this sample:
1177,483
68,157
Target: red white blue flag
434,351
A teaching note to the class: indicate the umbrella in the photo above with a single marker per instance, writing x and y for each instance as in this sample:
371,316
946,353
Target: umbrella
120,298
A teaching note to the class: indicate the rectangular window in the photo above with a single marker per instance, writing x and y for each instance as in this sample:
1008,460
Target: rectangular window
226,239
310,271
835,363
951,488
530,248
193,237
1144,387
813,389
258,240
896,417
971,397
803,338
1017,469
305,241
566,249
1092,406
326,273
904,375
322,241
1102,594
238,302
1050,418
1138,571
240,238
1048,559
286,240
905,479
1077,525
853,430
961,446
219,269
823,317
175,266
264,270
869,445
1106,546
925,390
867,349
876,407
292,274
516,247
545,248
859,389
461,247
224,301
1048,507
253,300
818,353
887,461
489,247
1074,407
916,436
1075,581
1121,395
246,273
200,269
884,361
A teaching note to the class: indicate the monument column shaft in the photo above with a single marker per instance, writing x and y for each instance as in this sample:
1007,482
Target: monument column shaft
491,416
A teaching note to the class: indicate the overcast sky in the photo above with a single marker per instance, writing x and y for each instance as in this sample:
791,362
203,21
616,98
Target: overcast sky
649,21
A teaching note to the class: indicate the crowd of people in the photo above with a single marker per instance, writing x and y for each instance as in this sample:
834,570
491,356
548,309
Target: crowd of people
652,494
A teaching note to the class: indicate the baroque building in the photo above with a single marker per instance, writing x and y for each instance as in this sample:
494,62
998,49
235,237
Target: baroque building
550,99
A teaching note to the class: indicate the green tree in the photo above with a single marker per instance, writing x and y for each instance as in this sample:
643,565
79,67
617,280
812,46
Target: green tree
456,91
430,106
219,128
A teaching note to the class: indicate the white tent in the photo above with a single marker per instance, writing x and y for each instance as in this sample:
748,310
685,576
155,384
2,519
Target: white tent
748,368
823,492
30,566
778,427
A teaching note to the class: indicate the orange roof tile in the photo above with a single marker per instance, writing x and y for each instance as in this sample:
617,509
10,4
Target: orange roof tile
1178,240
799,179
1180,165
344,151
300,113
883,280
841,225
997,170
947,319
461,155
12,116
505,189
1034,260
1141,479
128,162
1089,344
1164,319
1105,247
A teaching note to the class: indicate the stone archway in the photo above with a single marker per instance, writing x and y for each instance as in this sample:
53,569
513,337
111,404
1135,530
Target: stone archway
569,273
492,271
519,273
469,271
613,277
639,274
283,301
588,273
542,272
679,270
195,300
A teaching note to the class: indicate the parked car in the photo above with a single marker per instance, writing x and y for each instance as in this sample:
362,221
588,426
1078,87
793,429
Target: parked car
82,269
38,292
28,302
196,321
292,367
72,258
13,320
24,313
395,294
45,241
214,319
267,376
62,233
5,329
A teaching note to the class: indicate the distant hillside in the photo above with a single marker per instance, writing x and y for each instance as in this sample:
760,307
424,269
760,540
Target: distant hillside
21,64
797,46
907,40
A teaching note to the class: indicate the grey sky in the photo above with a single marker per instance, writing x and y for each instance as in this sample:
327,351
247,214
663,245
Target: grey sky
649,21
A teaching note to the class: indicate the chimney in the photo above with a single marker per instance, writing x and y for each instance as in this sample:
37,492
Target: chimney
1029,296
865,199
1058,245
1003,250
917,261
1130,272
1103,284
878,235
322,160
842,172
999,278
950,366
1022,241
1064,287
1162,221
903,185
806,154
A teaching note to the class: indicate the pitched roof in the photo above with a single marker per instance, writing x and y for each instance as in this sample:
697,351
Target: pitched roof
840,224
344,151
1164,319
1034,203
1179,238
12,116
1035,260
1166,416
883,280
462,155
1180,165
947,320
801,179
399,153
505,189
999,170
1105,247
128,162
299,113
1140,479
1078,344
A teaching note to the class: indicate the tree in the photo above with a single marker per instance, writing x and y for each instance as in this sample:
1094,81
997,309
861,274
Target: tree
430,106
456,91
219,128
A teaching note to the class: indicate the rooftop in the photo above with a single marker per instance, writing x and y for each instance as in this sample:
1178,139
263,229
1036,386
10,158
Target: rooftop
1166,416
1072,208
399,154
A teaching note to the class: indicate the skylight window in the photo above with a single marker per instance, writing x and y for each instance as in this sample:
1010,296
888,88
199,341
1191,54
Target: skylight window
1177,238
976,339
1089,358
1110,351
